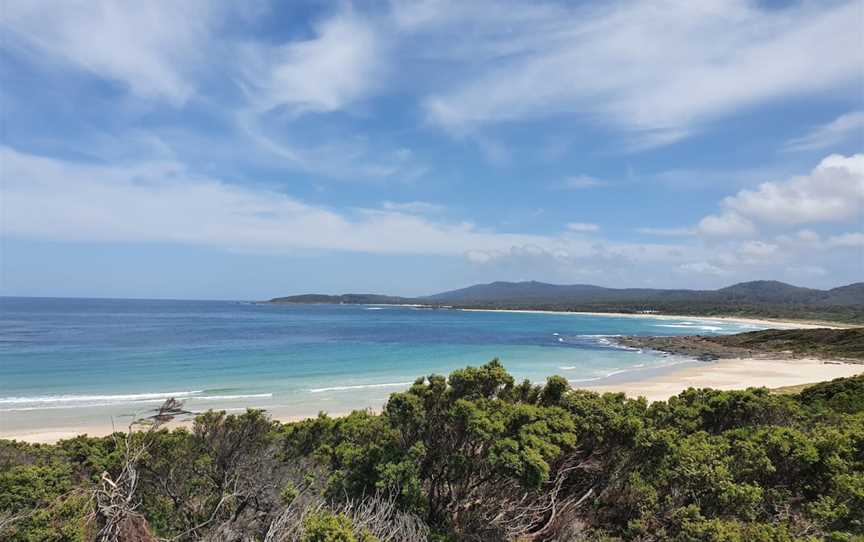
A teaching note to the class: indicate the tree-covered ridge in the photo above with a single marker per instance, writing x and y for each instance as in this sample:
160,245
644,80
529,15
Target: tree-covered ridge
475,456
761,298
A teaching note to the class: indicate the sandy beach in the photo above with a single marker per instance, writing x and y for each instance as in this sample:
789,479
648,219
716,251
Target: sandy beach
766,322
730,374
725,374
53,434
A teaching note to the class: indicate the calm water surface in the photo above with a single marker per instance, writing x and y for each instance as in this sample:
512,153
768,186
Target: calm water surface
79,361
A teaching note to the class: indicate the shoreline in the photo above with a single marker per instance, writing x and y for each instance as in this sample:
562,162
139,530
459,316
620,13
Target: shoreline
655,384
788,324
51,435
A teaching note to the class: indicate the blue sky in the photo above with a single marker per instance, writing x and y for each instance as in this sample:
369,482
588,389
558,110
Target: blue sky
254,149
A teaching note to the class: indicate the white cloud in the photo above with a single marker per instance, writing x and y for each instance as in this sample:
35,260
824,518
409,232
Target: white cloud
478,256
847,240
808,236
758,251
163,201
583,252
288,84
806,271
667,232
579,182
342,64
657,70
728,224
55,200
351,156
833,191
702,268
414,207
154,47
840,129
802,239
582,227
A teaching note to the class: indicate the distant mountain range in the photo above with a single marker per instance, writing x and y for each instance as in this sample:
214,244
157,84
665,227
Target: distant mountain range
759,291
765,298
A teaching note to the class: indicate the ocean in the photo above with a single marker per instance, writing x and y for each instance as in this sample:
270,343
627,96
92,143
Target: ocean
82,362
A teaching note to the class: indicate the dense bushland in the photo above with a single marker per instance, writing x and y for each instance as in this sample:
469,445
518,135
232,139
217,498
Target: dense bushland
476,456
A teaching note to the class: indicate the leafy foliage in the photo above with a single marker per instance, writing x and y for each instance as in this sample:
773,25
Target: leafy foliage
478,456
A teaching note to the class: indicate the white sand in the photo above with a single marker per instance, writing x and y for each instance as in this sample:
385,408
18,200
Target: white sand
725,375
50,435
780,324
729,374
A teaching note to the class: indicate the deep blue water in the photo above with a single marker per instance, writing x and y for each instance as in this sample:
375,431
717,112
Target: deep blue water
65,361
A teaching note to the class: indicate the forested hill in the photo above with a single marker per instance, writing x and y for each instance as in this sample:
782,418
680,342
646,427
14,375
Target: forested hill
763,298
760,291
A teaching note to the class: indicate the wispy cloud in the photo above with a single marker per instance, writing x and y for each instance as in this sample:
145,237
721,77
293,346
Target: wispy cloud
855,239
158,48
580,182
657,71
165,202
414,207
702,268
343,63
667,232
844,127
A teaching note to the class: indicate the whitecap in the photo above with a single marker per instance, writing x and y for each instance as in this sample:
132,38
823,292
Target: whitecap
231,397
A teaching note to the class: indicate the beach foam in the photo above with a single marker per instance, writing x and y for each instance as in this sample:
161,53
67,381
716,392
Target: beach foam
361,387
85,398
686,325
53,402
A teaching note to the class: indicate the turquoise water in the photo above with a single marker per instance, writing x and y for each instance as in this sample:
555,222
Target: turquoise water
74,362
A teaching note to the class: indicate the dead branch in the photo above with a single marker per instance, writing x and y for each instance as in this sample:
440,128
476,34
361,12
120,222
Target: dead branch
114,499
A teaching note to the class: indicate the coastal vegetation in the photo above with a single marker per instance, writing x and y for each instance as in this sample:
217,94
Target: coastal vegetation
474,456
831,344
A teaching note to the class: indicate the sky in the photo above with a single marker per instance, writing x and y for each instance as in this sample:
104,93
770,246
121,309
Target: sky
247,150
